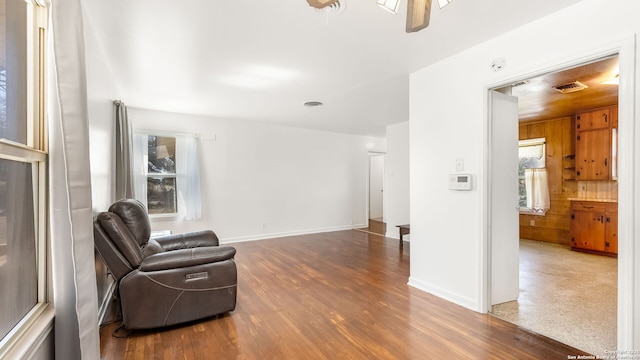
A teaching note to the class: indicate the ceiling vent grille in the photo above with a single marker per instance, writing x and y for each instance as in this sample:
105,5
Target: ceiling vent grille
520,83
570,87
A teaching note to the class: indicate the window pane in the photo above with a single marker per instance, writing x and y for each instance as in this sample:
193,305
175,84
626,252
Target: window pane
161,195
13,70
18,271
531,154
162,155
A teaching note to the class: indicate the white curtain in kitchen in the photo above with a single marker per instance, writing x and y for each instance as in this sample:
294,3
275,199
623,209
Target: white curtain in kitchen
537,187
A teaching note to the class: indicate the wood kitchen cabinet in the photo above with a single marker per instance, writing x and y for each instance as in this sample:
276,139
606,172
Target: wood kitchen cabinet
594,227
611,229
595,140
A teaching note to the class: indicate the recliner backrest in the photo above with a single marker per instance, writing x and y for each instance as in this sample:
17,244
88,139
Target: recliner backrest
134,216
118,233
118,265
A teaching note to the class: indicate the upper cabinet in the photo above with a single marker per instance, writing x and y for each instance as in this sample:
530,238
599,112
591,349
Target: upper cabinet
596,132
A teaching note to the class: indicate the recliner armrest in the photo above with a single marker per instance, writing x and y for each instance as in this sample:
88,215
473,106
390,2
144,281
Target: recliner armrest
187,257
188,241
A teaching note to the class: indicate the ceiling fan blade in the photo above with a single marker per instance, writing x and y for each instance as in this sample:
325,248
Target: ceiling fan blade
418,12
320,4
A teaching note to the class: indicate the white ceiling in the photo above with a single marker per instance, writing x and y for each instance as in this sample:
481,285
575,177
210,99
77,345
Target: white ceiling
262,59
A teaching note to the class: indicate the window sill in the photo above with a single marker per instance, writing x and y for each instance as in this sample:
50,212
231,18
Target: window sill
527,211
164,217
26,339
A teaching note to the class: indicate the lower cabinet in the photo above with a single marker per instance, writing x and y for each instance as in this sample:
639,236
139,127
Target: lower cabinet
594,227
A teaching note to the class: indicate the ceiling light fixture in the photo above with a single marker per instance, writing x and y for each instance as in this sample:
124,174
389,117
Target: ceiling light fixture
390,5
319,4
443,3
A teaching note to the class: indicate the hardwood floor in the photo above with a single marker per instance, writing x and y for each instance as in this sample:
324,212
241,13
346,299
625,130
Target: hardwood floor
339,295
375,226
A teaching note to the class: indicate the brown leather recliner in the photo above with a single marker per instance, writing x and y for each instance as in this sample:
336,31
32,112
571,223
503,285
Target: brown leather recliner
166,280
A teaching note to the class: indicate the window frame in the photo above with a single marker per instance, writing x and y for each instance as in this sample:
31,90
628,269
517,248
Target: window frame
34,152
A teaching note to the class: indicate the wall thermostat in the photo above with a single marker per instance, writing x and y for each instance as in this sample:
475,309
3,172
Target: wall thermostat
460,182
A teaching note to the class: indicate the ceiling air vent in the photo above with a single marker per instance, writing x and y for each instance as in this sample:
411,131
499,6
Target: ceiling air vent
570,87
520,83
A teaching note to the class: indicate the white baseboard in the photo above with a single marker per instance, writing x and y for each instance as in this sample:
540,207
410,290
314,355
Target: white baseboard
464,301
289,233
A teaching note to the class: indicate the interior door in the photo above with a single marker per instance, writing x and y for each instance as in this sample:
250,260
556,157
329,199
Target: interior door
504,225
376,181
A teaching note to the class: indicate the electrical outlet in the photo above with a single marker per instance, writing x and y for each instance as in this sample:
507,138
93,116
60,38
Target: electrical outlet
532,223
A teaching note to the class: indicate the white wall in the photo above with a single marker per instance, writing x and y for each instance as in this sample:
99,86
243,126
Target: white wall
396,178
101,91
448,121
260,180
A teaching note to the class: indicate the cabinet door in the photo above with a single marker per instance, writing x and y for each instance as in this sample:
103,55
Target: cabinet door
593,152
597,119
587,230
611,233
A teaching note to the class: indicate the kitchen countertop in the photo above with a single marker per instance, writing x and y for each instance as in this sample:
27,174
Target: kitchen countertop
592,199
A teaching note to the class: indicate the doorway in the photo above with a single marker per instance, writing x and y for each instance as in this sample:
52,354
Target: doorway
376,220
545,264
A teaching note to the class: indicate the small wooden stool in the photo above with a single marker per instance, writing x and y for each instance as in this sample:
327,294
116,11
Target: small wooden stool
404,229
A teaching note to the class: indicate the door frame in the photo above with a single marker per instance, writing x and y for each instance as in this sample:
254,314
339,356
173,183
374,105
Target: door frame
628,155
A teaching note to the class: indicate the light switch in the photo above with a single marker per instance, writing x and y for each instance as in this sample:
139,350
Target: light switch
459,164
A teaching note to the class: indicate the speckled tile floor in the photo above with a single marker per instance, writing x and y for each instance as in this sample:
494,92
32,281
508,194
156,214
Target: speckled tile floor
566,295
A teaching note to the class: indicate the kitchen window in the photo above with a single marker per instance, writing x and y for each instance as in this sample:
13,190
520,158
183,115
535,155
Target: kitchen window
532,176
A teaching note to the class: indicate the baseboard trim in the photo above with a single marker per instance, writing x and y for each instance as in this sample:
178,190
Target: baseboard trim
444,294
289,233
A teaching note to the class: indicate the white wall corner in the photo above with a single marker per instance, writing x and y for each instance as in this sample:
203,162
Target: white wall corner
458,299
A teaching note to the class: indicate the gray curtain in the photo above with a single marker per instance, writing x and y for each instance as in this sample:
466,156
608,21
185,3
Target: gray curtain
124,141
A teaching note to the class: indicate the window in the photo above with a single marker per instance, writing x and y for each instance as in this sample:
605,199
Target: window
161,175
23,267
532,180
167,175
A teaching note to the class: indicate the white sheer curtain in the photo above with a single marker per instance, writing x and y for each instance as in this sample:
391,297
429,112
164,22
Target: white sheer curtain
74,279
537,187
140,148
188,178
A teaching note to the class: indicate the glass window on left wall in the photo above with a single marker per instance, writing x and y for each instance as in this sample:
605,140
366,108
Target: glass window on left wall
23,166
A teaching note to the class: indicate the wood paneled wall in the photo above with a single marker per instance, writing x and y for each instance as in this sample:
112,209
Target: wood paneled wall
554,226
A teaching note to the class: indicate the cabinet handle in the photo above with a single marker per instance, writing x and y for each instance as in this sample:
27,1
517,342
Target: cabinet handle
608,219
606,117
605,161
587,207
